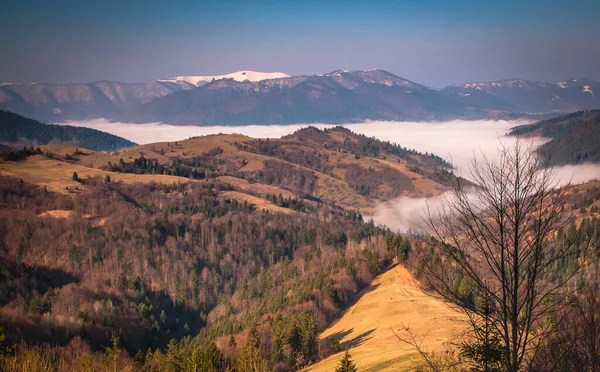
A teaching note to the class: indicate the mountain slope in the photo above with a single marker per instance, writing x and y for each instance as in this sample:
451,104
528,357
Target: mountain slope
103,99
341,96
18,131
347,169
394,301
249,97
575,137
526,96
60,103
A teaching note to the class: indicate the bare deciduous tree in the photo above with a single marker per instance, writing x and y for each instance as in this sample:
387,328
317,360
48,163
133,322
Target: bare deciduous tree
495,234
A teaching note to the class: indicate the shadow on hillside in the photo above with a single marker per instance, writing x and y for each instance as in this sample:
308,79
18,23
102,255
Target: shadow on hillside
110,311
370,288
352,342
135,332
20,280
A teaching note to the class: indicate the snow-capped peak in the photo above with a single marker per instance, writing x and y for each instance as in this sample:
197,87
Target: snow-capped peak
508,83
238,76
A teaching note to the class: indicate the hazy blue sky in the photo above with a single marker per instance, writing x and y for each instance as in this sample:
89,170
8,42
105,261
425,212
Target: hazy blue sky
431,42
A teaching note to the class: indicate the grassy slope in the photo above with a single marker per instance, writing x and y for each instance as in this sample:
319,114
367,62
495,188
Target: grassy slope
241,155
330,187
57,175
394,301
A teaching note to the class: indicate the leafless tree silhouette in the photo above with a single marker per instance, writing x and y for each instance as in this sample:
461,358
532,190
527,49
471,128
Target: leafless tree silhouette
495,233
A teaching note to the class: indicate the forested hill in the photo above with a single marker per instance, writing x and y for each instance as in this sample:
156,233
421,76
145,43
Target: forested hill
178,265
17,131
575,137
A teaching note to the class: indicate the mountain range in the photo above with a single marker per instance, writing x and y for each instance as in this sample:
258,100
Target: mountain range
248,97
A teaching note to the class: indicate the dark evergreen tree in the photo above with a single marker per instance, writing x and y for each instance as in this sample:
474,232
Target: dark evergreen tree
346,364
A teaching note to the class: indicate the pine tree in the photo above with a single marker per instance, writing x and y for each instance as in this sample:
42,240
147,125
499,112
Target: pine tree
346,364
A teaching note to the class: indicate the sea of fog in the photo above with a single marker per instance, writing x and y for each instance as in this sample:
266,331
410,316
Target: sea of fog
457,141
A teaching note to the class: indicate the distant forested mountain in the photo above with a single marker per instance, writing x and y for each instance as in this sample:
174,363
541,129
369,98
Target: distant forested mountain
575,137
17,131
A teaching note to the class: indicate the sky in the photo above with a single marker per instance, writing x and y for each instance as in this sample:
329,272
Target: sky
436,43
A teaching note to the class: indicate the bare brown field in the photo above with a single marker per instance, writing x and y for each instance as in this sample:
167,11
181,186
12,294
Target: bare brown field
57,213
394,301
57,175
88,158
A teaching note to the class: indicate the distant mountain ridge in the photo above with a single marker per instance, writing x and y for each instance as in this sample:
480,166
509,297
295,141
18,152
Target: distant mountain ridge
528,96
60,103
249,97
338,97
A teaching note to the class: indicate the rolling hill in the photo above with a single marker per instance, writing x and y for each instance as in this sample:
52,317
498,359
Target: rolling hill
17,131
334,166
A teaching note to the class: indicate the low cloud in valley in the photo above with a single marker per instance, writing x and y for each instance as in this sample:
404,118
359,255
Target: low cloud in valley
457,141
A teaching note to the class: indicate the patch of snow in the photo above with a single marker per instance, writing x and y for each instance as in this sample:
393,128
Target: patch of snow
253,76
588,89
1,84
562,84
346,71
